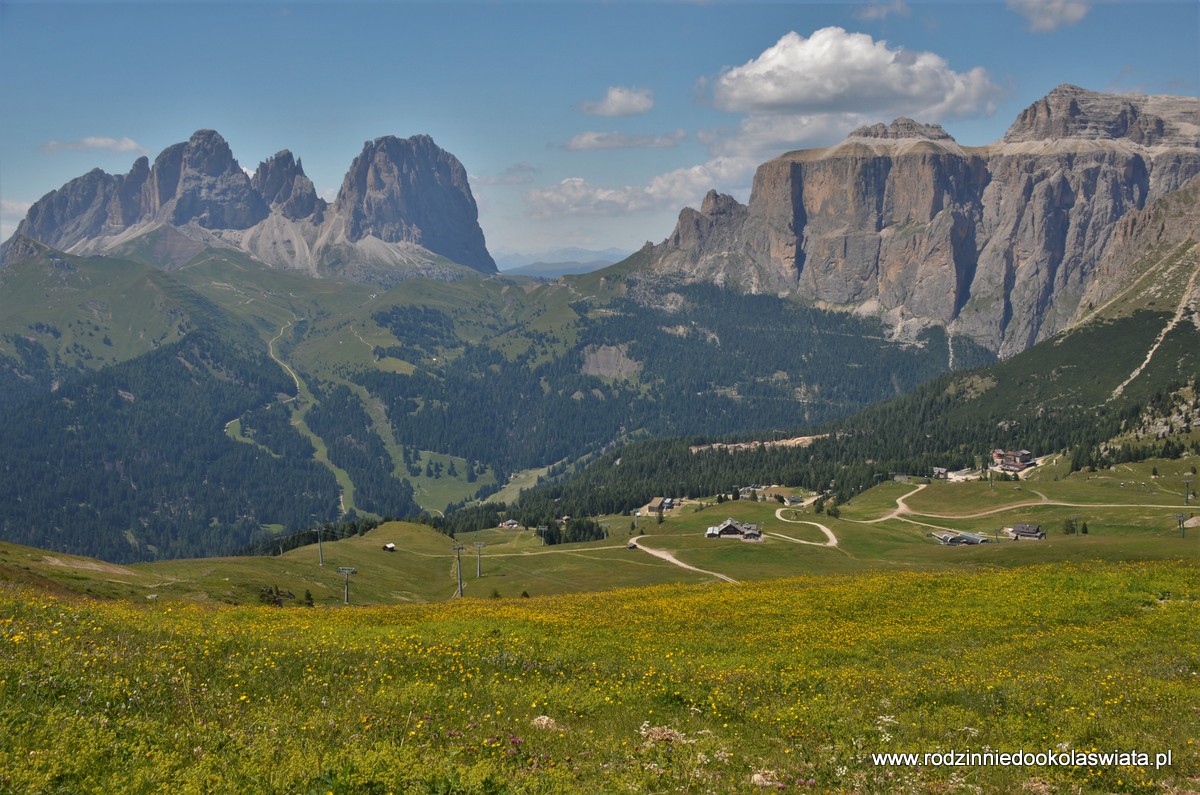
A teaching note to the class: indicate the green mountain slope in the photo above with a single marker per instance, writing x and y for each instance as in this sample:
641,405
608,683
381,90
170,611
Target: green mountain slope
432,392
1085,393
61,315
131,461
152,419
422,395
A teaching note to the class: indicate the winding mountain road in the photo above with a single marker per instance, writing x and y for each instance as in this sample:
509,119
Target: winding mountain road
345,484
831,539
271,352
902,508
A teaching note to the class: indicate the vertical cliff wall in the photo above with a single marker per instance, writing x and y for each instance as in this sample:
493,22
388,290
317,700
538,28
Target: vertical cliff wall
998,243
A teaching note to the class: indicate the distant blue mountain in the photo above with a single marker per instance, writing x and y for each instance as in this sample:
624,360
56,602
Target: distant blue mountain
542,263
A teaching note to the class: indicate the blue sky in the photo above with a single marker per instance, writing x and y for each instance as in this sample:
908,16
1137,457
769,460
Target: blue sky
581,123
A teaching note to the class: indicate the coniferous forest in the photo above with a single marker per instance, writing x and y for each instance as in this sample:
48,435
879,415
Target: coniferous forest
139,446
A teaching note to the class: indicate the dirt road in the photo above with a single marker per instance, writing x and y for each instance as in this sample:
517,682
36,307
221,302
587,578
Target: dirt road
669,558
831,538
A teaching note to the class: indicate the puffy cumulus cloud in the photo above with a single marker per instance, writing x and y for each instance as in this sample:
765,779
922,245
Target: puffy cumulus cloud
834,71
685,186
92,142
1048,15
620,101
874,12
575,196
516,174
617,140
812,91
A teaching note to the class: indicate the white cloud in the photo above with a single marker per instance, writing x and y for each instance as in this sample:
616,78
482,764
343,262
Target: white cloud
1049,15
617,140
517,174
671,191
93,142
812,91
833,71
620,101
873,12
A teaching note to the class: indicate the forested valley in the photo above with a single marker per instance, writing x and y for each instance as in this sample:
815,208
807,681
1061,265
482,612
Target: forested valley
205,445
719,363
1034,401
138,447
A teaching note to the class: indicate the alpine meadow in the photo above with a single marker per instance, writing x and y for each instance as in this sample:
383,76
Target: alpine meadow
876,474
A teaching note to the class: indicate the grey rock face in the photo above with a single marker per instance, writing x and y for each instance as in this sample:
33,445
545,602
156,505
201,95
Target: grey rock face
93,205
404,209
19,247
78,209
998,243
902,128
1157,233
197,181
411,191
281,182
200,181
1073,112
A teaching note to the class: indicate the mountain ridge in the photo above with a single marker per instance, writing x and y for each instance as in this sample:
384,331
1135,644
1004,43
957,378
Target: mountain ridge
998,243
405,209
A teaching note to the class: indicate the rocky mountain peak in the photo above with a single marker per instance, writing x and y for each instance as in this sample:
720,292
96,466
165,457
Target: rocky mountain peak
207,153
200,181
902,128
715,204
141,167
1073,112
281,182
77,210
19,247
405,210
409,190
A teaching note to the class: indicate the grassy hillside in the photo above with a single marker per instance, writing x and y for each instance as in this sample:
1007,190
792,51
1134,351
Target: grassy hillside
789,684
420,396
1126,521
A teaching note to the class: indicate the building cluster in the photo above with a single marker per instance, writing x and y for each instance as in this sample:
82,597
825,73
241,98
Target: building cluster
1012,460
1018,532
731,528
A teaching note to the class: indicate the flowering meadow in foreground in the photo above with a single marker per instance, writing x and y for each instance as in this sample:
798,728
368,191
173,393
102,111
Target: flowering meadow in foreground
785,685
